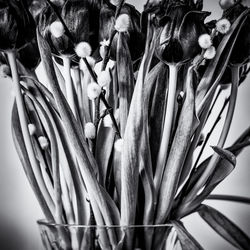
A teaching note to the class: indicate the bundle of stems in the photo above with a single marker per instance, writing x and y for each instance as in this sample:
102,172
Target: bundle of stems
116,136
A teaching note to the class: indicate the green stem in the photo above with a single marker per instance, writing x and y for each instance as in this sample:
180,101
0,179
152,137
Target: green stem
232,198
163,151
69,84
24,126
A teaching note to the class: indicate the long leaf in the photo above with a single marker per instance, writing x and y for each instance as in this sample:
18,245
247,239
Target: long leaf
177,153
130,158
223,168
86,160
125,78
24,158
224,227
186,239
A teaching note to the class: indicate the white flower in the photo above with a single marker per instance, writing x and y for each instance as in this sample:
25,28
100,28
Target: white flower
32,129
57,29
102,51
83,49
5,70
107,121
90,130
205,41
43,141
210,53
223,26
94,90
105,42
104,78
122,23
118,145
91,62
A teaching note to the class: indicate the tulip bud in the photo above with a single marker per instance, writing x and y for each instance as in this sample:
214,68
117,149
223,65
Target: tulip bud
90,130
76,16
128,22
17,27
178,39
94,90
226,4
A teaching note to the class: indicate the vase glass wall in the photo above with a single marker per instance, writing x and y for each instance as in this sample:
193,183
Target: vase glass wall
81,237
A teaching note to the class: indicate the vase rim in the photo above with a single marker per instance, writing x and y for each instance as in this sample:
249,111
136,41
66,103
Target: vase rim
53,224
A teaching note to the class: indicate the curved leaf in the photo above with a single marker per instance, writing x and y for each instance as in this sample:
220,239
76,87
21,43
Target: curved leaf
224,227
186,239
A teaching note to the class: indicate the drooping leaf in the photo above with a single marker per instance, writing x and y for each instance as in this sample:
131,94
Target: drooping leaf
186,239
85,159
24,158
242,142
223,168
224,227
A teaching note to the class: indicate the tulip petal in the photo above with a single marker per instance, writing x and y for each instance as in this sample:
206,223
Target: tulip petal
191,28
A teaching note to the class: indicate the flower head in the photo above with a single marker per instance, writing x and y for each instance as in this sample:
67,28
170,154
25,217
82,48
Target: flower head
32,129
57,29
178,39
94,90
90,130
43,141
122,23
119,145
81,27
205,41
17,26
223,26
210,53
104,78
83,49
226,4
241,50
128,22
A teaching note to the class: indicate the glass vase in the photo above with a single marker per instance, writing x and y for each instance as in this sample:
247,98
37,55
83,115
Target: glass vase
82,237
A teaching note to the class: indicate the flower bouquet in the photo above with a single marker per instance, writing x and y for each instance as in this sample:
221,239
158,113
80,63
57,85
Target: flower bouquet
111,139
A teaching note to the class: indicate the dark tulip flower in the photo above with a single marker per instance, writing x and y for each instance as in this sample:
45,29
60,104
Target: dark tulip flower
241,50
134,36
29,55
17,26
35,7
178,39
76,15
